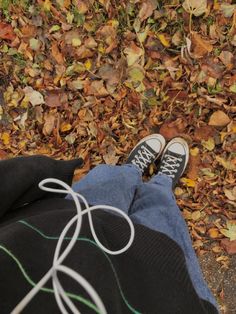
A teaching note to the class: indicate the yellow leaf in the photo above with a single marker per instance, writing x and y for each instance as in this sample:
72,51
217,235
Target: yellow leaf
47,5
76,42
209,144
188,182
196,215
88,64
213,233
65,127
194,151
165,42
227,164
5,138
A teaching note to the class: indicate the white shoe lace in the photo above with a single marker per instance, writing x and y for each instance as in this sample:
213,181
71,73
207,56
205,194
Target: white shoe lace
170,164
143,158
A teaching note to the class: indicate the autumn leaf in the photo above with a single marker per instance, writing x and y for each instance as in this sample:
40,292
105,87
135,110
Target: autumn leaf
147,8
57,54
133,54
219,118
56,98
34,97
200,46
230,232
6,31
195,7
229,246
49,124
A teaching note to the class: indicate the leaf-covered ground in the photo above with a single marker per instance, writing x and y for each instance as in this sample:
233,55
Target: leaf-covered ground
90,78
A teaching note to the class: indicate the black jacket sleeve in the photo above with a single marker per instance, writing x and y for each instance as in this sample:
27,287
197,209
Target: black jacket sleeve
19,179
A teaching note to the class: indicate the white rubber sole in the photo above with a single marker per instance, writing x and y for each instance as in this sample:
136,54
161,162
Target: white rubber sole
185,146
158,137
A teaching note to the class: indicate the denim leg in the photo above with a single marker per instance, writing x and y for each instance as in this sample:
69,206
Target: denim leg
155,207
110,185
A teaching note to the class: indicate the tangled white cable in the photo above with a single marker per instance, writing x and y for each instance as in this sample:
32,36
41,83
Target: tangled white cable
59,292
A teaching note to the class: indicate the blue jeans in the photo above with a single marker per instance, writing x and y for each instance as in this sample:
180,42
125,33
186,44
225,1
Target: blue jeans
151,204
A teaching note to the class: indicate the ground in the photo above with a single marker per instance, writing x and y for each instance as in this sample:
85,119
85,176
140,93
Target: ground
90,78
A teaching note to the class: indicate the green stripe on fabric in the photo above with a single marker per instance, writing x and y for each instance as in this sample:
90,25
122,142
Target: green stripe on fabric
134,311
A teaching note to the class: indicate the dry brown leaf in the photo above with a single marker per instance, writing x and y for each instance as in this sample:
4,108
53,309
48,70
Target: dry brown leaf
57,55
219,118
195,7
49,123
6,31
194,165
201,46
133,53
229,246
110,157
173,129
147,8
227,59
96,88
56,98
204,133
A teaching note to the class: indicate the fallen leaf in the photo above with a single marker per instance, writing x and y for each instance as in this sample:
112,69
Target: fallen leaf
48,124
65,127
213,233
35,98
110,157
133,54
195,7
82,6
230,194
34,44
200,46
96,88
227,59
5,137
136,73
204,133
194,164
196,215
109,74
6,31
229,246
230,232
209,144
227,164
228,9
173,129
219,119
56,98
188,182
163,39
147,8
57,55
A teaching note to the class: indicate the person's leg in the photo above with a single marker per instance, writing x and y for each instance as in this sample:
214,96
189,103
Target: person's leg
110,185
116,185
155,207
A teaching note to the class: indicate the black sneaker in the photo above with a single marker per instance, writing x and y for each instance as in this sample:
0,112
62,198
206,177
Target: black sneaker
146,151
174,159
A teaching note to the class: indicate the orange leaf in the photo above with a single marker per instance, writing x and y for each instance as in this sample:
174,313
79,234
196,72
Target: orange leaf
200,46
6,31
57,54
219,118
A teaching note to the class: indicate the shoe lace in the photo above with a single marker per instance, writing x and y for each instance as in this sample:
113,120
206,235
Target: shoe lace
170,164
143,158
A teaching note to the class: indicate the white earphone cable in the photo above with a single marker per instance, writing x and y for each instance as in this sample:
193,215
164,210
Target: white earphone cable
59,292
